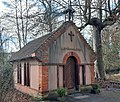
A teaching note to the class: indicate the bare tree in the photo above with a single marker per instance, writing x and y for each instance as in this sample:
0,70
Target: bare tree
93,13
111,46
19,19
48,14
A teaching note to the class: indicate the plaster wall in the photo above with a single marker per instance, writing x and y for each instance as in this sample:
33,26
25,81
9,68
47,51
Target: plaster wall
88,74
34,73
60,70
52,78
63,45
60,48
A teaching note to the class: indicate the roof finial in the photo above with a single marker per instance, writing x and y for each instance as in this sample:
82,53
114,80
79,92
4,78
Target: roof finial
69,11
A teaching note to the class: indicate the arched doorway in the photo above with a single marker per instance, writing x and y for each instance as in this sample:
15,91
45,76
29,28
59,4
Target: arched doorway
71,73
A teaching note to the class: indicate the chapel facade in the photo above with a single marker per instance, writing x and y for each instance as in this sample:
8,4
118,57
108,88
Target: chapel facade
60,59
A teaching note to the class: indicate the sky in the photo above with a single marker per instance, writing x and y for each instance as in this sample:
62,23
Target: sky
1,5
2,8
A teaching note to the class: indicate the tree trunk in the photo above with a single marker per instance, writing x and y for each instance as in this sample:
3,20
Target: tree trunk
17,25
26,24
50,16
22,22
99,53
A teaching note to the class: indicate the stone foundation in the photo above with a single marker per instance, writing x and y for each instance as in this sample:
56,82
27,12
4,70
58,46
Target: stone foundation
27,90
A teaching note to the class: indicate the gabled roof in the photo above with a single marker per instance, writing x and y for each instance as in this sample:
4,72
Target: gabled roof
28,49
45,41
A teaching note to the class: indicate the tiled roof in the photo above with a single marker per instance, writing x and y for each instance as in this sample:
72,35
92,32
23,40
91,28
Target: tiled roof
28,49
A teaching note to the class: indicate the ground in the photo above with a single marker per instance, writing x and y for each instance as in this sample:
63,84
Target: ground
106,95
110,95
16,96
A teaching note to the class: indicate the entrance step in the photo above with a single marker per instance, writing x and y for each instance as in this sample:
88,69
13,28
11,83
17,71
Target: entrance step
73,92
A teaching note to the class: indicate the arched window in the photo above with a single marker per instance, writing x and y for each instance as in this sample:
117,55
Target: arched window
26,74
19,73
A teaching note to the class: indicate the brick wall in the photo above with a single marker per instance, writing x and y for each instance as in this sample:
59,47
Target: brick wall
92,73
44,78
43,74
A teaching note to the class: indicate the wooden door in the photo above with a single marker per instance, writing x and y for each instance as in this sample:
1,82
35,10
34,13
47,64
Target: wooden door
69,73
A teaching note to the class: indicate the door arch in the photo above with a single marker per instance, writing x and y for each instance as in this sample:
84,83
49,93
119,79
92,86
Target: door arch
71,73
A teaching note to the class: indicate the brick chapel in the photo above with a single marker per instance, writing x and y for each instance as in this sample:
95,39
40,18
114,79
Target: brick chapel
60,59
